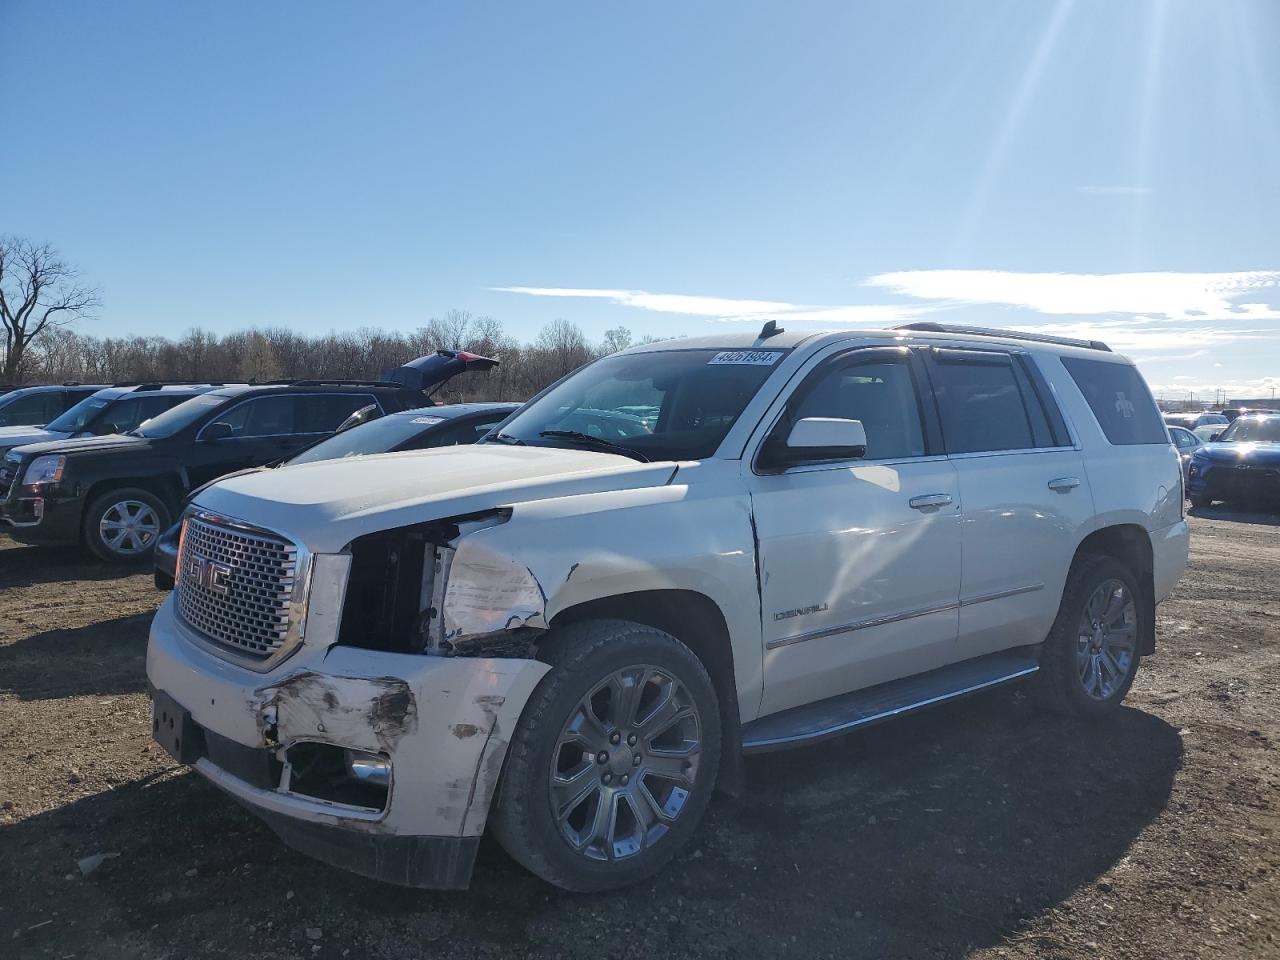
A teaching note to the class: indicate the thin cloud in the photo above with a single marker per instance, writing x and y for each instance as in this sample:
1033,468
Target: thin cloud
1137,336
1182,296
1113,190
730,309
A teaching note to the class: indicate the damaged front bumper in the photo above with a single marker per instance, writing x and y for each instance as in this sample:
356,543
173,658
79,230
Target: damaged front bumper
442,724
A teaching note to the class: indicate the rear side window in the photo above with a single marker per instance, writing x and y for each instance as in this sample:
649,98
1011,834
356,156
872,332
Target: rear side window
1119,398
324,414
981,402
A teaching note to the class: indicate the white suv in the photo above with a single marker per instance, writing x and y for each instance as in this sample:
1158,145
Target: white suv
688,551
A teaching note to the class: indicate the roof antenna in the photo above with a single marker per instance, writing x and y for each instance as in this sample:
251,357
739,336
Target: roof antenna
770,329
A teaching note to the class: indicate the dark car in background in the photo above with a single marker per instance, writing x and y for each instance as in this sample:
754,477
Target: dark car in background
36,405
115,409
417,429
1242,466
114,494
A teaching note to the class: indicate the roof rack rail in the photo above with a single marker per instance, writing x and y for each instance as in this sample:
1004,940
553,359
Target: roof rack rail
157,384
324,382
929,326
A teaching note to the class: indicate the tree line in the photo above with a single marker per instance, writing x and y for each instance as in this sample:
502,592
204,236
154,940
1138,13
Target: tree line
60,354
42,296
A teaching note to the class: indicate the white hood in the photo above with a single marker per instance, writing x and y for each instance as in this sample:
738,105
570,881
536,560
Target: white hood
326,504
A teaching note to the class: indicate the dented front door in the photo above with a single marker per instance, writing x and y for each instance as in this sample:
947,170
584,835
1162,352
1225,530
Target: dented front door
860,560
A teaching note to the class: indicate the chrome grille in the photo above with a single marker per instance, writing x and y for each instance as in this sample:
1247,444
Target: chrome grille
235,586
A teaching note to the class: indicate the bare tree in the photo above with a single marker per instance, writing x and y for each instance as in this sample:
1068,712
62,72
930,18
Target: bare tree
619,338
38,290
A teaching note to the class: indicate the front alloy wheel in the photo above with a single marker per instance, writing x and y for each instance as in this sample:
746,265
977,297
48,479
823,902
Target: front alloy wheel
614,758
129,528
625,762
122,526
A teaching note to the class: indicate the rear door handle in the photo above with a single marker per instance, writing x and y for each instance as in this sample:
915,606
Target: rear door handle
929,501
1064,484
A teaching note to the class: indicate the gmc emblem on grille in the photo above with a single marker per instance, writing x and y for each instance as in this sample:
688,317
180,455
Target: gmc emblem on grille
205,572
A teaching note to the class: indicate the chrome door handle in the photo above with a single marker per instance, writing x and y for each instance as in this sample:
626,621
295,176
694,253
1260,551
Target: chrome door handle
1063,484
929,500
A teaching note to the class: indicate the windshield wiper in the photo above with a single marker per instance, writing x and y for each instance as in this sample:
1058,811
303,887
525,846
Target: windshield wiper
507,439
598,441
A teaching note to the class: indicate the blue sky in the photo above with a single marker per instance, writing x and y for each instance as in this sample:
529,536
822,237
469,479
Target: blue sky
1107,167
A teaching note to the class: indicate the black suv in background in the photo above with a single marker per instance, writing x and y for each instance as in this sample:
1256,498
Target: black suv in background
417,429
36,405
116,409
115,494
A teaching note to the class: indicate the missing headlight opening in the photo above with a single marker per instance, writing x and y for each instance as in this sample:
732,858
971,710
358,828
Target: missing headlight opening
433,588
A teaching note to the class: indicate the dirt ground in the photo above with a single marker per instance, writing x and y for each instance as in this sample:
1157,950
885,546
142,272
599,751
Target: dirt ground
981,829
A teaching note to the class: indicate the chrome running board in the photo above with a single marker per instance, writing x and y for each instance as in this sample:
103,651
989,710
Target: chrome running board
836,715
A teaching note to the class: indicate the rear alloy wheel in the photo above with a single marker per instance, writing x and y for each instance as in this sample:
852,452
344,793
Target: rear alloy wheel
614,759
123,525
1107,639
1091,656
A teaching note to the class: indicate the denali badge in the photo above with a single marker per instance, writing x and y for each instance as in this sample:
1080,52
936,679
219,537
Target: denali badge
210,575
800,611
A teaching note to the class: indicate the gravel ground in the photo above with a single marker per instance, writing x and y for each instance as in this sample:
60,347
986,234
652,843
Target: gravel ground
982,828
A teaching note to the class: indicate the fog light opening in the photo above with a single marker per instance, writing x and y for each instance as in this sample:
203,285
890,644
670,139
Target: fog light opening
368,768
335,774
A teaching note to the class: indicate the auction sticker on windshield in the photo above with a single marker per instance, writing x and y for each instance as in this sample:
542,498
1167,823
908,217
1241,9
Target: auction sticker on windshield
760,358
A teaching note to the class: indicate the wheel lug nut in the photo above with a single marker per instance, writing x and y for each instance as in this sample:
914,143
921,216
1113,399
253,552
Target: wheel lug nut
632,740
635,761
607,778
602,757
615,737
625,778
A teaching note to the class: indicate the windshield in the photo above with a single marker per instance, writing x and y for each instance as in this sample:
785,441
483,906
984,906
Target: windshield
662,405
376,436
180,417
1245,430
78,418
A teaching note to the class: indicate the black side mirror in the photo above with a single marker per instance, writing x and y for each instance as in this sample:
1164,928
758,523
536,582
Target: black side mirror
217,431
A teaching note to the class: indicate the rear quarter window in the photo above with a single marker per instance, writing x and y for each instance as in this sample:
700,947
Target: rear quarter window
1119,398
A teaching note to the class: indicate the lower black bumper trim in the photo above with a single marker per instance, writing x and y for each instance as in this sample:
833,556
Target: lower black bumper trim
429,863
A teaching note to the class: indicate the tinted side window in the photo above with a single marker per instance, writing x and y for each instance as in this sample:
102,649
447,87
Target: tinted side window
981,404
463,433
264,417
323,414
1119,398
33,410
125,415
881,394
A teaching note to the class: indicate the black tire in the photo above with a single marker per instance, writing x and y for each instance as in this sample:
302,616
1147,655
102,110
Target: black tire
110,501
1200,501
583,656
1061,686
